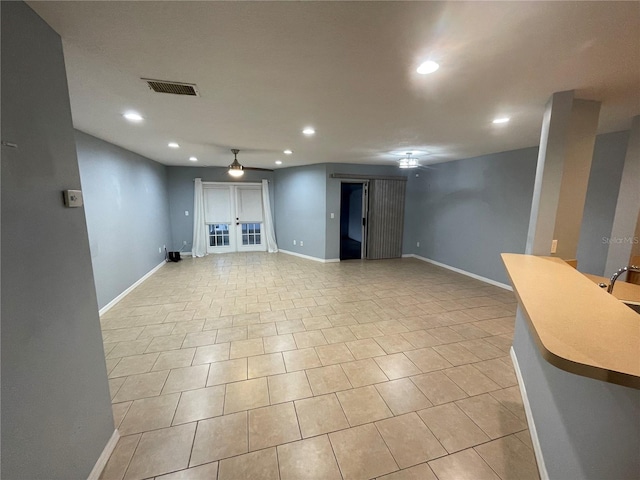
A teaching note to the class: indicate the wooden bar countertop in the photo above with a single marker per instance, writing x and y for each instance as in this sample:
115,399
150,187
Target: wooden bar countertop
577,325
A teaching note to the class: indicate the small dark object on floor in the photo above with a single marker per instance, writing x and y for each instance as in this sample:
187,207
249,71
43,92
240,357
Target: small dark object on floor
174,257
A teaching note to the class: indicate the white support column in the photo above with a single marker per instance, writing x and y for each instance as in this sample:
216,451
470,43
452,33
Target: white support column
564,162
546,190
628,207
581,138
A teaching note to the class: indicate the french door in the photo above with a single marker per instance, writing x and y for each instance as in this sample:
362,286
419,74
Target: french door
234,218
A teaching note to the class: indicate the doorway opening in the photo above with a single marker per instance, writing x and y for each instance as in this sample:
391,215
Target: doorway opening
353,212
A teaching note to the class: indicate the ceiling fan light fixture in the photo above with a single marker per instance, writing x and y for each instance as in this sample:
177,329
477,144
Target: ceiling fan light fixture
235,169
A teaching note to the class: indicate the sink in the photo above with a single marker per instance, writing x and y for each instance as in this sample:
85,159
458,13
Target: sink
633,306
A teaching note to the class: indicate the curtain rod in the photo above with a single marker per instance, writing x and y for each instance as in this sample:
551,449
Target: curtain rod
355,176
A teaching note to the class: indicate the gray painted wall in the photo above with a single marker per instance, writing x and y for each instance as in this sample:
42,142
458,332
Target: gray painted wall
126,203
627,209
466,213
600,204
180,181
588,429
56,408
300,205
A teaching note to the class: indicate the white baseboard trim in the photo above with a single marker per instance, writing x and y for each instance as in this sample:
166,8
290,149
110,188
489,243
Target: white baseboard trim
113,302
308,257
104,456
459,270
542,469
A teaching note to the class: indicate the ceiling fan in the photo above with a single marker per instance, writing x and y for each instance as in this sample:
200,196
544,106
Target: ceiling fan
236,169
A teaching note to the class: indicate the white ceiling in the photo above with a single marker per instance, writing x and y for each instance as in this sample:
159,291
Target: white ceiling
265,70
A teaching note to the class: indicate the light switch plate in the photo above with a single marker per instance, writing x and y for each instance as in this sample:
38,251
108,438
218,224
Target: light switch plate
72,198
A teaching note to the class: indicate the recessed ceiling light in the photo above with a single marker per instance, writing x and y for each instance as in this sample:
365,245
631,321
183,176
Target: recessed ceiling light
288,152
308,131
278,162
174,145
427,67
501,120
133,117
193,159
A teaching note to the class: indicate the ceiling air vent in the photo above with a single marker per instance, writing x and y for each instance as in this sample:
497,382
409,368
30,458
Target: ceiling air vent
177,88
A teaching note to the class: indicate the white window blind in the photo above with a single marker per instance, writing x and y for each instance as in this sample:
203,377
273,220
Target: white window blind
249,204
217,205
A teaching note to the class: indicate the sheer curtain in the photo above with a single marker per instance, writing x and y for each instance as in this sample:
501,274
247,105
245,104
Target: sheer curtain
199,246
269,232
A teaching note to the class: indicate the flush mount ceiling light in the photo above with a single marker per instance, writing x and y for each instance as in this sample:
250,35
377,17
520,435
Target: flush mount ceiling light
193,159
501,120
235,169
278,162
408,161
174,145
288,152
133,117
308,131
427,67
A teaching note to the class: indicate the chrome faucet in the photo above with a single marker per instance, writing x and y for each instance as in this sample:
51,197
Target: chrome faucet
614,277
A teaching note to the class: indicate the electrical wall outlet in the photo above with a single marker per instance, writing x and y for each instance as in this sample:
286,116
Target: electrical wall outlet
159,249
333,215
554,246
186,213
417,244
301,243
294,242
72,198
184,242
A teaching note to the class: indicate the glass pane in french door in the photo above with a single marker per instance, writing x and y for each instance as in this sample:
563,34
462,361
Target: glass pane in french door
251,233
219,235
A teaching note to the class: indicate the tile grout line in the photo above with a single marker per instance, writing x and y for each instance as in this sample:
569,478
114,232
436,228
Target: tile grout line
124,474
387,446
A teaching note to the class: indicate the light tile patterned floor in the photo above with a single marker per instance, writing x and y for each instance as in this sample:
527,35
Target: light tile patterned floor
267,366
